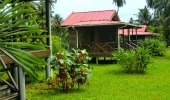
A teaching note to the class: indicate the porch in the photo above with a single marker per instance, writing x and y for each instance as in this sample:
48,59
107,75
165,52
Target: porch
100,49
102,41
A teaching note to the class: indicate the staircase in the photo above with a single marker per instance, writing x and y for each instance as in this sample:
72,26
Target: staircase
131,45
5,93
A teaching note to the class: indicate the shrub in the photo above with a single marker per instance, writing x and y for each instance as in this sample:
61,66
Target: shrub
133,61
57,44
142,59
155,29
72,69
155,46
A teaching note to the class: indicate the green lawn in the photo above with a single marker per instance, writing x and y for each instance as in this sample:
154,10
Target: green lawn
109,83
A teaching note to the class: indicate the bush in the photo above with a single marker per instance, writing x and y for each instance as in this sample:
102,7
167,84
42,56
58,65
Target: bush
133,61
72,69
155,29
155,46
57,44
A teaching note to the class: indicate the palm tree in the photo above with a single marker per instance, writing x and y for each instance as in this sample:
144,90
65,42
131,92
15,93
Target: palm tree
150,3
59,31
132,21
56,27
161,10
144,16
119,3
17,36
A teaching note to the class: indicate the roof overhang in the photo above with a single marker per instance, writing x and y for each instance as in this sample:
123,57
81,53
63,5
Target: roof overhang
130,26
139,33
121,25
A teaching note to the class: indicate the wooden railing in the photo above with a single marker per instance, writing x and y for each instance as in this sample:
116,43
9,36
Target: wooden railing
98,48
128,45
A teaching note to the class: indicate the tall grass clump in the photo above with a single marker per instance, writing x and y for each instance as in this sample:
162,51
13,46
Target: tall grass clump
133,61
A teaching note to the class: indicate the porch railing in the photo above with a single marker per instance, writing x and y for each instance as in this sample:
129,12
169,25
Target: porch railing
98,48
129,45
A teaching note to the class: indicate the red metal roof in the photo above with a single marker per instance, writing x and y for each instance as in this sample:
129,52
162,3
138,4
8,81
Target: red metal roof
140,31
91,18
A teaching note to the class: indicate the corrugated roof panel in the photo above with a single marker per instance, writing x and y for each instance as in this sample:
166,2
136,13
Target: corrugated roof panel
98,15
143,29
91,23
140,31
105,15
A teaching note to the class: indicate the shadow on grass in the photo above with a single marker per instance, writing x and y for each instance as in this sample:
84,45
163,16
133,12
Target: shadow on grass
123,72
102,62
117,72
56,92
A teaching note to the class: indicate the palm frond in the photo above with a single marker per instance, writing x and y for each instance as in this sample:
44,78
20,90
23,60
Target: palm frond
23,45
25,68
15,31
26,55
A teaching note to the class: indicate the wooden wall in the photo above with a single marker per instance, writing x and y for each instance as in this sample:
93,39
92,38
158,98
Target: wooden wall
72,38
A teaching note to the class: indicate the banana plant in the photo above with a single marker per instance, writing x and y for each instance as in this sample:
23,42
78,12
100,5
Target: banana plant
19,34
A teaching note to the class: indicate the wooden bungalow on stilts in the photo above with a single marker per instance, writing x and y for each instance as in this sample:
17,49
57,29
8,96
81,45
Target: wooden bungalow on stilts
95,31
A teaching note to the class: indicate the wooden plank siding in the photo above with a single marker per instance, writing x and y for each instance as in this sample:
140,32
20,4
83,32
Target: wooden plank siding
72,38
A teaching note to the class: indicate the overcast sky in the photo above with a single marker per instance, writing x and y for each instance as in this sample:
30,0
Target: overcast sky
65,7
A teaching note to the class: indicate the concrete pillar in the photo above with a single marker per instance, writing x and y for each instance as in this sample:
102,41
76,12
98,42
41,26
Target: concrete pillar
48,68
22,92
118,41
14,72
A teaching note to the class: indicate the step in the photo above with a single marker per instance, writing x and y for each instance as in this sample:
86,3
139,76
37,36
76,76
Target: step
11,96
4,90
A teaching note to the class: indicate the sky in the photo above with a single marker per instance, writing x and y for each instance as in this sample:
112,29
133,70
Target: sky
65,7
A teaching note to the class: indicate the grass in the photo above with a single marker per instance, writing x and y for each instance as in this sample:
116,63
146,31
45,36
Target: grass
108,82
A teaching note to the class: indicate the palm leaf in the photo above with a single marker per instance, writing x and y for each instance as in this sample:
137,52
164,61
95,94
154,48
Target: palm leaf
25,45
4,3
12,16
27,31
9,27
25,68
14,26
28,55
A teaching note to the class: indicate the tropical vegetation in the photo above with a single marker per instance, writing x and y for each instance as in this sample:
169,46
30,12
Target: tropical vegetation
119,3
144,16
133,61
72,69
20,32
59,33
155,46
159,17
108,81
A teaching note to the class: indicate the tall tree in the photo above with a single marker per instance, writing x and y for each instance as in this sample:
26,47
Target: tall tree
132,21
119,3
56,27
144,16
57,30
161,10
150,3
